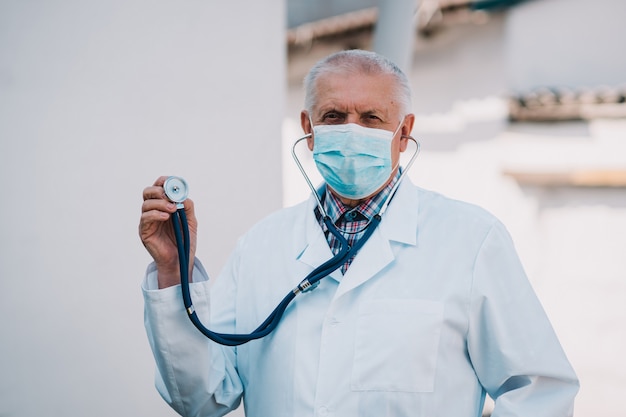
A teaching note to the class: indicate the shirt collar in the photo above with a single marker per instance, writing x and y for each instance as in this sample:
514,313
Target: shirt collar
368,208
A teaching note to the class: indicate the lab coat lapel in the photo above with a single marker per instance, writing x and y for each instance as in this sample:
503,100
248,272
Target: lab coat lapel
373,256
398,226
316,250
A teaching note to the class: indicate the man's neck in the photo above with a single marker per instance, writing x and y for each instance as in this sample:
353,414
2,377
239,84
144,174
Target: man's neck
350,203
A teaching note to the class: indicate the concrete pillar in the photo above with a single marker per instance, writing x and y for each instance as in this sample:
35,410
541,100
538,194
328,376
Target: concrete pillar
395,31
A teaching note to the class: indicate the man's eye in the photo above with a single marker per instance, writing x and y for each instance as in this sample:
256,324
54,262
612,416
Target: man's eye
332,117
372,120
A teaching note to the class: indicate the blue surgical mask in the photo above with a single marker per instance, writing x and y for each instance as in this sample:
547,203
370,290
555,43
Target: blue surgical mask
355,161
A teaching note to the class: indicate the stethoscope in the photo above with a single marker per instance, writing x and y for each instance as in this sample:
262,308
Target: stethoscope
177,190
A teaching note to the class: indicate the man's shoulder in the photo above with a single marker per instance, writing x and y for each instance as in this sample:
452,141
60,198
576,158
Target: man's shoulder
435,204
441,200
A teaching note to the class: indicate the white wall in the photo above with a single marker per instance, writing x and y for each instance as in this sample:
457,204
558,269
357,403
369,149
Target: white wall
97,99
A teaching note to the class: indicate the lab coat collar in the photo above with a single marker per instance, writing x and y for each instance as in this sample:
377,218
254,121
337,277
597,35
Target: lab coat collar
399,224
316,250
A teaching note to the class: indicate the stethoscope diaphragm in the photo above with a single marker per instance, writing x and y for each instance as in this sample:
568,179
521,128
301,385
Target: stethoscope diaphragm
176,189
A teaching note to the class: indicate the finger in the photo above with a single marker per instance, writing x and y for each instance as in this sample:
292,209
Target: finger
190,209
155,192
161,180
158,204
148,218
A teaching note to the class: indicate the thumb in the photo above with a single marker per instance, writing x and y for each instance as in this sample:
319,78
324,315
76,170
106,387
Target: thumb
189,208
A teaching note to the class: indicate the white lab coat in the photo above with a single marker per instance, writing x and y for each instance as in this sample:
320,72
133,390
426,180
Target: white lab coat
434,312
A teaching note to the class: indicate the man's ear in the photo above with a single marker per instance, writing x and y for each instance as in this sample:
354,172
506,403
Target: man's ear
407,128
305,122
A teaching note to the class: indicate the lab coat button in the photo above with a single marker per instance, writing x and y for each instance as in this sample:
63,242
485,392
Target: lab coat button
322,411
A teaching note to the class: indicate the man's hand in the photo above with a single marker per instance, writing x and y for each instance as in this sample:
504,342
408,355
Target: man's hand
157,235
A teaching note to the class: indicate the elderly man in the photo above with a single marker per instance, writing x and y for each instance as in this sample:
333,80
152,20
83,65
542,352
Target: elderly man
432,314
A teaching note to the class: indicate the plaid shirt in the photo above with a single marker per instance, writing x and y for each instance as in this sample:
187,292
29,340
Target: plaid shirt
350,220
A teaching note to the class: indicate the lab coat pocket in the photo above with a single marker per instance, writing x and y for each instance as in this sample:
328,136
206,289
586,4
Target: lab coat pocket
396,344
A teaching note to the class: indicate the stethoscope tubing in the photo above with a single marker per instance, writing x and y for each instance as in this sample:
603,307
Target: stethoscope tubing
181,233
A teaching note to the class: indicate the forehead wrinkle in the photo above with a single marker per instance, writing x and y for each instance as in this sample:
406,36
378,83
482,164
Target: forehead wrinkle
349,106
353,93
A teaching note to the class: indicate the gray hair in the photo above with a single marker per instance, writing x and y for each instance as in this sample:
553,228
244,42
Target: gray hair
358,62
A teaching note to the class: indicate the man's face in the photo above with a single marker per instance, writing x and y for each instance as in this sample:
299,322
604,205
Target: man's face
367,100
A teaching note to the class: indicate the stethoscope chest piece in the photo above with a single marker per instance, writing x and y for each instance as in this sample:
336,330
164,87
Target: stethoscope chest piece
176,189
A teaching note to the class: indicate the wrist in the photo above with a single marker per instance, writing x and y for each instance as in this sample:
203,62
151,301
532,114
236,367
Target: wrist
168,275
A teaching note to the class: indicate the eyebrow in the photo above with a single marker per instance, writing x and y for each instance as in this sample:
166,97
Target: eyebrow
334,109
369,112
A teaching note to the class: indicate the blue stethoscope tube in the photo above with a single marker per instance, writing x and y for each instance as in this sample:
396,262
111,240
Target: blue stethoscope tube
181,232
